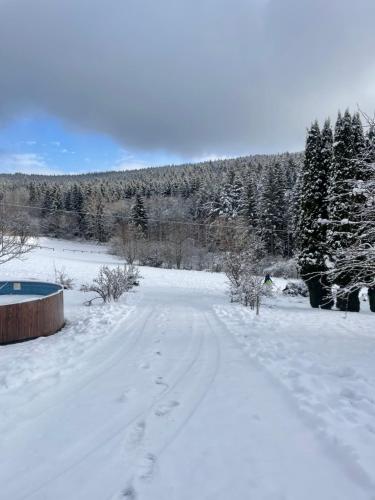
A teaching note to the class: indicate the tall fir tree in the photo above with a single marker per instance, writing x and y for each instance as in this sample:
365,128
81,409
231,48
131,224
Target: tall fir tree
229,199
272,211
248,201
348,142
311,229
139,215
102,227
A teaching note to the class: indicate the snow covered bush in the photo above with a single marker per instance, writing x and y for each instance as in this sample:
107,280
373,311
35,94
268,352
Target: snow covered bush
110,284
152,254
253,289
295,289
245,275
234,268
284,268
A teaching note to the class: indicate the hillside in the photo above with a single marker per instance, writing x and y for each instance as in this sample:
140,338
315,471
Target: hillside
195,205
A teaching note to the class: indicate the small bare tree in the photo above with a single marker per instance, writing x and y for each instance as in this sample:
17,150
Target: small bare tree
110,284
128,242
62,278
15,237
254,289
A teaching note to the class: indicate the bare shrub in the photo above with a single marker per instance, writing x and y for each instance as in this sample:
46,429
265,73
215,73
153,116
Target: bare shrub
110,284
253,290
128,242
63,279
244,272
16,238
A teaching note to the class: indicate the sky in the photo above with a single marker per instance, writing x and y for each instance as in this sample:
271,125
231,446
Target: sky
91,85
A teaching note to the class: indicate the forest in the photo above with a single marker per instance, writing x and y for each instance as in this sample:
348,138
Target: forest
173,216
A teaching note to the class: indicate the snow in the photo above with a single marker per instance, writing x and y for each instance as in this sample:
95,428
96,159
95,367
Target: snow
175,393
16,299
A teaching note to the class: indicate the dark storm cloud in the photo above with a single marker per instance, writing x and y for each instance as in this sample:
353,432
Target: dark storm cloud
188,76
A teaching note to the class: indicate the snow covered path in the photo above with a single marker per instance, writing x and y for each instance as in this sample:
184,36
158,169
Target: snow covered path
170,408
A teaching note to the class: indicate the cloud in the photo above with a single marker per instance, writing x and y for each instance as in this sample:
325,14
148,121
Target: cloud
25,163
188,77
128,162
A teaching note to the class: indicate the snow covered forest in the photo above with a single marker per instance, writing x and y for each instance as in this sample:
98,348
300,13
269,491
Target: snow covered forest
174,216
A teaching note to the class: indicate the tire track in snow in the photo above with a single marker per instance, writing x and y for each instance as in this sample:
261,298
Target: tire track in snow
118,356
120,430
204,377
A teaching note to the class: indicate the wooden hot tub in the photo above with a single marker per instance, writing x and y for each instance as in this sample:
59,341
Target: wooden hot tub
37,311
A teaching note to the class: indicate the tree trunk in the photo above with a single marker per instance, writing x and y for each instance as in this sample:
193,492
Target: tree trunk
327,299
371,299
315,291
349,301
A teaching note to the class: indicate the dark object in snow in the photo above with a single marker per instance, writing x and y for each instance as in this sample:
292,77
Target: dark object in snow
348,300
371,299
267,279
296,289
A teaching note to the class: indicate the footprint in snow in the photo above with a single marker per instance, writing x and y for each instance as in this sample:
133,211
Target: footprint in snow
160,381
146,467
128,493
124,396
144,365
135,434
164,409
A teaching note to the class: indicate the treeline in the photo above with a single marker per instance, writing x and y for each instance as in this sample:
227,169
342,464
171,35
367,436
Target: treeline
190,210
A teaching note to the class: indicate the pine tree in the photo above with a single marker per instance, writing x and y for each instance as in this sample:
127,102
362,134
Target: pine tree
101,227
33,194
311,232
248,202
139,215
272,210
343,204
229,200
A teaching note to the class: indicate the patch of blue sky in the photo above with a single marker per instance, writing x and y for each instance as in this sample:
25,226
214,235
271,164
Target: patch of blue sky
41,143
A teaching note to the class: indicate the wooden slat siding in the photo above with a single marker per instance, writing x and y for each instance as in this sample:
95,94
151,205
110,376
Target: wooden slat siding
35,318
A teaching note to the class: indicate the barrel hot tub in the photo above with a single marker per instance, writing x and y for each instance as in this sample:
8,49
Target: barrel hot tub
30,309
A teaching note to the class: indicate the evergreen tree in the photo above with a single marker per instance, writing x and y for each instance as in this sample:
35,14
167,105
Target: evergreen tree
33,193
311,232
248,201
229,200
102,228
348,143
139,214
272,227
47,202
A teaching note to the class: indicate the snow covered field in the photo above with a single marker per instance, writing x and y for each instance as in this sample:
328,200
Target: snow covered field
173,393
